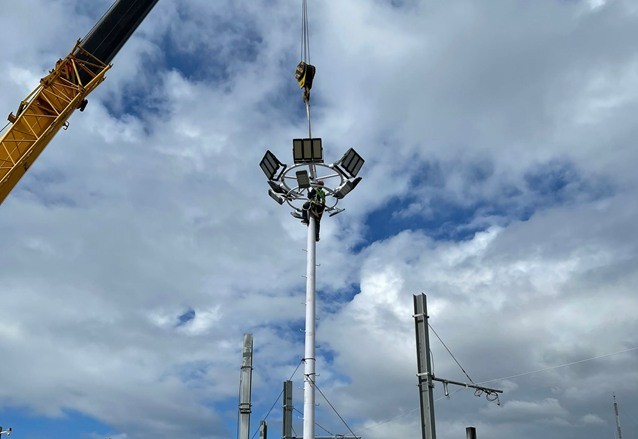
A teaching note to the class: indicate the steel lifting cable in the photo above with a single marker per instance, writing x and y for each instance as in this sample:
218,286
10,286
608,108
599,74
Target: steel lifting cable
305,57
305,45
305,72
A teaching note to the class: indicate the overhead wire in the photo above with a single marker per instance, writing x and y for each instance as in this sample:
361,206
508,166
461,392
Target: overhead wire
489,394
400,415
451,354
278,396
316,423
314,384
560,365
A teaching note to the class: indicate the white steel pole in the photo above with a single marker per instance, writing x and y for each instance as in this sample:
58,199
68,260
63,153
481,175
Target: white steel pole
309,357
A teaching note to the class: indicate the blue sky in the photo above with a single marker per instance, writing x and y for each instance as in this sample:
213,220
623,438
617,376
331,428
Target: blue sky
500,179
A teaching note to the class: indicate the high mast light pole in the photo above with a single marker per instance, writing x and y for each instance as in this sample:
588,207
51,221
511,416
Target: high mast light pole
292,185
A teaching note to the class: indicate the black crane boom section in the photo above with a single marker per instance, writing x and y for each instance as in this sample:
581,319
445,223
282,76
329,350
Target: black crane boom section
113,30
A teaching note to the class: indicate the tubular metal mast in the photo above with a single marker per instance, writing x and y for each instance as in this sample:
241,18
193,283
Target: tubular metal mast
309,351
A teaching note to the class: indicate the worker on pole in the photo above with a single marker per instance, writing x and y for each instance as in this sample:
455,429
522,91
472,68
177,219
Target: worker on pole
315,206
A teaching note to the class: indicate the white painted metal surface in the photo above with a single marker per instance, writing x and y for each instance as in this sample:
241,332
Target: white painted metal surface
309,356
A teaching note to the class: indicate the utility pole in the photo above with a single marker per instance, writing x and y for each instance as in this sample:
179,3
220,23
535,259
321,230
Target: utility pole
425,374
424,367
245,384
287,409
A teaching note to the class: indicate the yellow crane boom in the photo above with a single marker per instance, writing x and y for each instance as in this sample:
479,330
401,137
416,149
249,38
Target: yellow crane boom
47,109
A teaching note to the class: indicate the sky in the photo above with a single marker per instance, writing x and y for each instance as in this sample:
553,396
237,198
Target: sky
500,179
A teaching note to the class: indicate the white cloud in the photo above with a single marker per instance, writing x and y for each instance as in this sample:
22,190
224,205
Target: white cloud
592,419
508,124
547,410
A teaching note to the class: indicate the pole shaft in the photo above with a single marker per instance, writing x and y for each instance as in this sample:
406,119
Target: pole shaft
309,357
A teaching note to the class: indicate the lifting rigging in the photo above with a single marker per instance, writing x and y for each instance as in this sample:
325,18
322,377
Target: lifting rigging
305,72
48,107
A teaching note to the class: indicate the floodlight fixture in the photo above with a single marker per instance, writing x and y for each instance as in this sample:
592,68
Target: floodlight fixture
275,196
346,187
277,187
270,165
351,162
307,150
303,179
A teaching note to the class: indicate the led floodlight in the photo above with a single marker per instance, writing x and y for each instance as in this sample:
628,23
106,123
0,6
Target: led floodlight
303,180
351,162
277,187
270,164
345,188
307,150
278,198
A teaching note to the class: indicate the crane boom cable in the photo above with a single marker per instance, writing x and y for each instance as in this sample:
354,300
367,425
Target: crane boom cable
99,21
